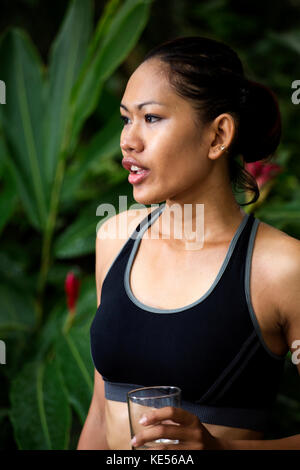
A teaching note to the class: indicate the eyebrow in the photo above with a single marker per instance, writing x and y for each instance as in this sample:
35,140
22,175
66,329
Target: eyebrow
139,106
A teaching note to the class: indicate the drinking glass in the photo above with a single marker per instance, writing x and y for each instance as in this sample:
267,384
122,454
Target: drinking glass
141,400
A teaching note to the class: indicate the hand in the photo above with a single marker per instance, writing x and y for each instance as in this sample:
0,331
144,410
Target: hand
186,428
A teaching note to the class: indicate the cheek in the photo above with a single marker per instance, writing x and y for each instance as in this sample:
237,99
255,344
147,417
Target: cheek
178,157
178,152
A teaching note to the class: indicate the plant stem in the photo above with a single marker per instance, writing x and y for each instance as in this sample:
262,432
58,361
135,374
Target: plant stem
69,322
48,234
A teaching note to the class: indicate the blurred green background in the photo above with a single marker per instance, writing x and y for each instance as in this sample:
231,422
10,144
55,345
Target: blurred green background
65,65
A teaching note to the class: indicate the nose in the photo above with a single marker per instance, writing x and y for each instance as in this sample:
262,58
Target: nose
131,137
125,145
131,146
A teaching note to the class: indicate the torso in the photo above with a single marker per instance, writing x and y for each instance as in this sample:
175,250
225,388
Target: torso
190,284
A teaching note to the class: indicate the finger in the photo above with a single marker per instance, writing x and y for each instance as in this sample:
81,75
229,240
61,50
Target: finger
162,431
177,415
169,421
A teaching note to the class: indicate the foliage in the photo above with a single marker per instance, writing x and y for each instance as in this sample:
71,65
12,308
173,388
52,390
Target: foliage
50,367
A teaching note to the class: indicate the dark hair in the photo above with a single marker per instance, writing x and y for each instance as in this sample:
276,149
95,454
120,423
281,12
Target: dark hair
211,75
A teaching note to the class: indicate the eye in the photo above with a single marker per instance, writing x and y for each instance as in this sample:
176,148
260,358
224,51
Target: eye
123,119
151,116
147,116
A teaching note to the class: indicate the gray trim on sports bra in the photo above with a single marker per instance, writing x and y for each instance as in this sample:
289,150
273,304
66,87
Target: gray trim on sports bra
247,290
181,309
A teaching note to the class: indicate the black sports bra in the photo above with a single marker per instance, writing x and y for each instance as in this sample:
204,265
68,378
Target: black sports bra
212,349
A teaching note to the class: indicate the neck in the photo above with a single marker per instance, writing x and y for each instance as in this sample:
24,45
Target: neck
190,223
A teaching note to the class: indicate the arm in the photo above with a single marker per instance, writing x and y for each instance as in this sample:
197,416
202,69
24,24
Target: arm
93,434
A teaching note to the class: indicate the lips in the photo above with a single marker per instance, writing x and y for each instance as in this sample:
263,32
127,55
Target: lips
128,162
134,178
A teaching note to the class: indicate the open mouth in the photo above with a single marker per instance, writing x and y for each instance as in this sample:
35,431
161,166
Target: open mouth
137,171
137,176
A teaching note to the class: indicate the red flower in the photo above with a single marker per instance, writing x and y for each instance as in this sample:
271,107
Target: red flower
72,285
263,172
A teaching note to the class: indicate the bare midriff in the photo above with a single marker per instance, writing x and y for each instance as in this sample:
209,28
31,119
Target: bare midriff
118,430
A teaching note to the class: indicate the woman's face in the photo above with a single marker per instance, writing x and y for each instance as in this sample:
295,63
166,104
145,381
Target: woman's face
162,137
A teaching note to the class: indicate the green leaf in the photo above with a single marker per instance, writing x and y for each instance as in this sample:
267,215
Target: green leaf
14,262
74,357
58,272
3,154
8,199
67,55
104,145
47,334
291,39
78,239
40,412
21,119
17,311
87,301
85,310
112,42
102,28
280,212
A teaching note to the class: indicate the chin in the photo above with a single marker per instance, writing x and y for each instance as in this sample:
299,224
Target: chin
148,200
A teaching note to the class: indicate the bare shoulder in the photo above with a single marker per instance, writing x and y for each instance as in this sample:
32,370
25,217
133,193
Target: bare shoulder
112,235
277,245
120,226
279,257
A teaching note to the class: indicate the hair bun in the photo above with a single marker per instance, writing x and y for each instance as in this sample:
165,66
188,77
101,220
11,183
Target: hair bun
260,122
244,93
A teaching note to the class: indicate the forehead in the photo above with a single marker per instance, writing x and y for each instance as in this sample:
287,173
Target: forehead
150,82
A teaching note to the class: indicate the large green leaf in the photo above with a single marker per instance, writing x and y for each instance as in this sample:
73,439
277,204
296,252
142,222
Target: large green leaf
76,365
113,40
21,119
40,412
47,334
104,145
73,350
79,238
67,55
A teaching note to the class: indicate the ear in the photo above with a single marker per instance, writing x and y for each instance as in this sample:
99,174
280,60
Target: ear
223,130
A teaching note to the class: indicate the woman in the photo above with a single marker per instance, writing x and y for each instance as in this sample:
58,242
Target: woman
214,317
